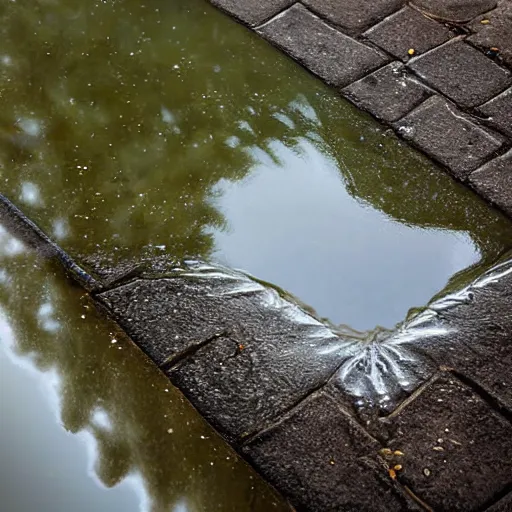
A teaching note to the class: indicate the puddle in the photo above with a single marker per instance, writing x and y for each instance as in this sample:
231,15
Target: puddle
88,423
125,130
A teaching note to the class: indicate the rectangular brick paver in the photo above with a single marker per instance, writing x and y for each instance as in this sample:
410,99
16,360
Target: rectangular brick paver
446,135
494,181
499,112
251,12
408,29
324,461
495,34
388,93
457,449
462,73
354,15
328,53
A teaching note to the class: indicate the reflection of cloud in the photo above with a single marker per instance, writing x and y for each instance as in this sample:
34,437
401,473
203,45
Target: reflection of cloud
181,506
30,193
9,246
60,229
100,418
30,126
46,321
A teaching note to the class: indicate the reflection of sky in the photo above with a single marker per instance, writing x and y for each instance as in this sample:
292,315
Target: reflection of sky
348,261
42,467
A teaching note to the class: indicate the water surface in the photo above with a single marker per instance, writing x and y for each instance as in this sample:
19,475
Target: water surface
132,129
88,423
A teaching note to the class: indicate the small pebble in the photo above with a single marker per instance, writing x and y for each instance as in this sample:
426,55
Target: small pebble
170,431
438,448
411,51
426,472
485,22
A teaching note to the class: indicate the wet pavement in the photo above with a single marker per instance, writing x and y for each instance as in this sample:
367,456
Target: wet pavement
86,420
353,358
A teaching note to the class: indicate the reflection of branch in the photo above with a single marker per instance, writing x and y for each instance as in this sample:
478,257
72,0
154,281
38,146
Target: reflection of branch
23,228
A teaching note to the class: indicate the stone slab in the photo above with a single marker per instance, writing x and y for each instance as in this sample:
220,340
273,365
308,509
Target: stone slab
353,15
457,449
268,352
324,461
462,73
455,10
388,93
333,56
495,34
405,30
441,131
251,12
499,112
494,181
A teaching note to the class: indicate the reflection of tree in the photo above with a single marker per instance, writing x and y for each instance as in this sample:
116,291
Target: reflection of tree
404,185
127,115
97,375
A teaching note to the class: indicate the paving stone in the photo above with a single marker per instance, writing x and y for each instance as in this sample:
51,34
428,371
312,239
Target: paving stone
494,181
462,73
443,132
497,33
267,351
408,29
503,505
324,461
251,12
457,449
455,10
388,93
328,53
353,15
499,111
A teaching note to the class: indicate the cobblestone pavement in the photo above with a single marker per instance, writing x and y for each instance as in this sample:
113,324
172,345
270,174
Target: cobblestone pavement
437,71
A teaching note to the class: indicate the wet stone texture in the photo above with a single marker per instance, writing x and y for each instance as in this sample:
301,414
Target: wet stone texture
457,451
257,360
353,15
494,35
253,364
388,93
468,77
408,29
479,346
494,181
328,53
498,112
250,12
455,10
445,134
323,460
